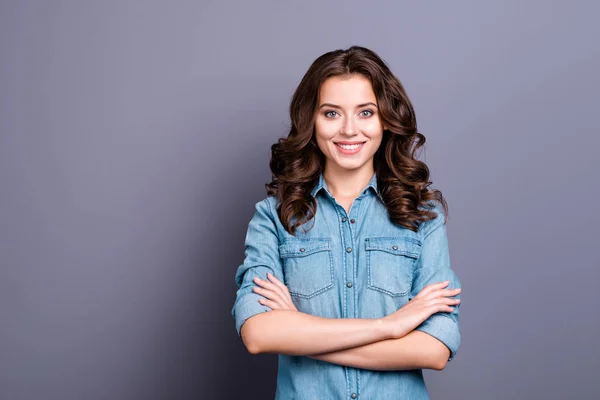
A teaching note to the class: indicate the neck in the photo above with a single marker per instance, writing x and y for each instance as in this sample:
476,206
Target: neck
343,183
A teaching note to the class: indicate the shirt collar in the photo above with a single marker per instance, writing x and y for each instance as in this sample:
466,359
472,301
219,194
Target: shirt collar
321,184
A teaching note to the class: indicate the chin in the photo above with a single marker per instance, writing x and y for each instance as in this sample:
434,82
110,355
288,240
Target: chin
349,165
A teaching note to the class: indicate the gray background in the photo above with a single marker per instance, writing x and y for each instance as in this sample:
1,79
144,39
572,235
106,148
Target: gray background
135,140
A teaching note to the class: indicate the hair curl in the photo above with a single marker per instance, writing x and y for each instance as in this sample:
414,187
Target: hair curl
296,161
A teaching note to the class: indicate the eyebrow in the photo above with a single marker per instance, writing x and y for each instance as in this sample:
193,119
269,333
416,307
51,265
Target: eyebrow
338,107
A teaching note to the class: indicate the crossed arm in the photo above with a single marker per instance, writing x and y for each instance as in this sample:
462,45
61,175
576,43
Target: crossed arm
355,342
415,350
360,343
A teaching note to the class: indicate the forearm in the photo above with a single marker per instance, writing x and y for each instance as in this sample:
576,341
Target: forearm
415,350
296,333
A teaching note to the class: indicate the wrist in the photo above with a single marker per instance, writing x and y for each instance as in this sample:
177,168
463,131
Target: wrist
384,328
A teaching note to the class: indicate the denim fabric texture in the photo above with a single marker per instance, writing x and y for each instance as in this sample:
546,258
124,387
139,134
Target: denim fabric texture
347,265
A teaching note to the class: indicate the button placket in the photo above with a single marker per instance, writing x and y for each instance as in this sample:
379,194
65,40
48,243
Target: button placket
349,246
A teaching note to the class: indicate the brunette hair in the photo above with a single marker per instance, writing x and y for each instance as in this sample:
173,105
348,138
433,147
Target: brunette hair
296,161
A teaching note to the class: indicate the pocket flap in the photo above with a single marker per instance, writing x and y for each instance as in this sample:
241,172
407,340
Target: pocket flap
303,247
400,245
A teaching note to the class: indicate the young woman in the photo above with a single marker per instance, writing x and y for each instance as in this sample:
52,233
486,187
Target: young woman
347,273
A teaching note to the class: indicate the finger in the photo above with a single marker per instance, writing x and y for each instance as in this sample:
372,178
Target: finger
450,301
437,307
277,305
283,294
451,291
444,301
283,302
264,292
269,294
270,303
431,287
276,281
273,279
445,292
269,285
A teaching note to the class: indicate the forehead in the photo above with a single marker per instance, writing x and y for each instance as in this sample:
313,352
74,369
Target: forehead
340,90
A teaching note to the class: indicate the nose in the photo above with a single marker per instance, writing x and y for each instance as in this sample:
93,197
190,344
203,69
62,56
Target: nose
349,128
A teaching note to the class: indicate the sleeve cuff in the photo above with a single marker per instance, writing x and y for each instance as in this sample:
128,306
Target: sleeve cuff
443,328
245,307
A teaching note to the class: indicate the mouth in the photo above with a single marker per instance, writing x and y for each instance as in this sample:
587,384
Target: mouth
349,147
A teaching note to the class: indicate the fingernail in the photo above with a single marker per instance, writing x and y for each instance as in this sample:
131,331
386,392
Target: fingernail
269,274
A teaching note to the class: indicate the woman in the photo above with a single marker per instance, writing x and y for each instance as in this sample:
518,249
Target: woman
348,251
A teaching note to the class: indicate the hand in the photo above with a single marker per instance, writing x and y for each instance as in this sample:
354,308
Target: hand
433,298
277,294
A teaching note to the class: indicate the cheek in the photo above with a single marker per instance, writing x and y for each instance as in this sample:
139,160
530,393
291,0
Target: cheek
325,132
323,145
374,131
374,126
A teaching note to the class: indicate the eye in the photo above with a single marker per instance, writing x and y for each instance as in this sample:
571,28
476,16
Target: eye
327,115
370,112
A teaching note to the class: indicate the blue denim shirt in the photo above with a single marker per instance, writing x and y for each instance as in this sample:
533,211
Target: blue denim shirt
348,265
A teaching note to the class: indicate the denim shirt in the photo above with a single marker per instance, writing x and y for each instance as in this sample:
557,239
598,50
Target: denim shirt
347,265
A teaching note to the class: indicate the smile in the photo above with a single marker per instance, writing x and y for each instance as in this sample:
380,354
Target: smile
349,148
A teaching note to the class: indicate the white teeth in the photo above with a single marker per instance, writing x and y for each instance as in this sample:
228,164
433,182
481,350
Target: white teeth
349,146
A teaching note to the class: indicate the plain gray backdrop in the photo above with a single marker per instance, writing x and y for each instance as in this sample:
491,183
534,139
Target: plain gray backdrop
135,139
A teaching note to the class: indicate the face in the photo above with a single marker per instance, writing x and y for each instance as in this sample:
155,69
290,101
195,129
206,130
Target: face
348,128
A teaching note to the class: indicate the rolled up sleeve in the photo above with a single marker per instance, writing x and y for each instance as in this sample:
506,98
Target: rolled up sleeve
433,266
261,256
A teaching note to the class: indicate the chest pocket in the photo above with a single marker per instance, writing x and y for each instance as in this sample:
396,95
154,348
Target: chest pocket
390,263
307,266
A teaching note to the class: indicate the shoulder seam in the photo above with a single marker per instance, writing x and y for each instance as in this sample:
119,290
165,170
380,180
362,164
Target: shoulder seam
273,218
434,224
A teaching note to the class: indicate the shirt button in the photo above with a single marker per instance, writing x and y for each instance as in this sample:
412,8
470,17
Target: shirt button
395,247
302,249
344,219
353,395
349,284
352,221
348,249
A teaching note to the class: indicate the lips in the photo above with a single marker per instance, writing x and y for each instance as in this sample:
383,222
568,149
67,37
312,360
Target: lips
349,147
348,143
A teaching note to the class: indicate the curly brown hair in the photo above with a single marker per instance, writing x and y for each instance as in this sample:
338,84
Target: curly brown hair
297,162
